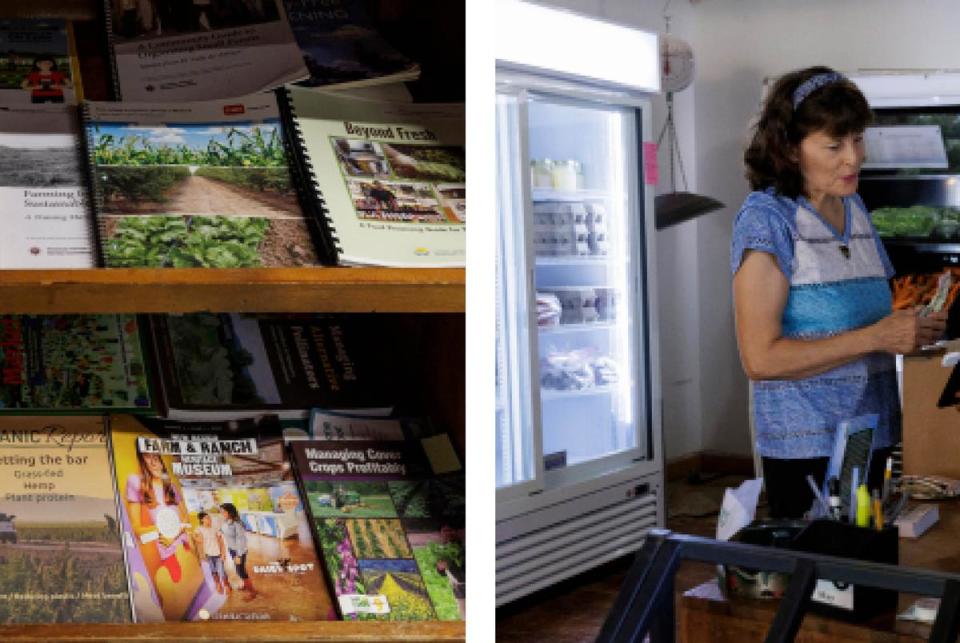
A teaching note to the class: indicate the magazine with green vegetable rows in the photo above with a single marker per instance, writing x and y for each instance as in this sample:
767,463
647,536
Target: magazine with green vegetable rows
203,185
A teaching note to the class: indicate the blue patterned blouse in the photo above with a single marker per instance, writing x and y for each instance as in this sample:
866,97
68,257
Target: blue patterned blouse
837,283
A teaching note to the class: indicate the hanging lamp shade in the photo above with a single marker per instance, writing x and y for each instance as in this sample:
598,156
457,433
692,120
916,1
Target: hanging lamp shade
676,207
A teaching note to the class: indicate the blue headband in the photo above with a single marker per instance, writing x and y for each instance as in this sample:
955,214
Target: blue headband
812,84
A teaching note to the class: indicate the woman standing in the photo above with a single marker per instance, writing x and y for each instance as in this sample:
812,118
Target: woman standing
814,320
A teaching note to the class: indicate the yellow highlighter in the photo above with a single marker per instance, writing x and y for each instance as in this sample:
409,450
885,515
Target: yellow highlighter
863,506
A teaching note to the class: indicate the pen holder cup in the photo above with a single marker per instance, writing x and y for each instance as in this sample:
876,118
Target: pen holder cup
828,537
843,540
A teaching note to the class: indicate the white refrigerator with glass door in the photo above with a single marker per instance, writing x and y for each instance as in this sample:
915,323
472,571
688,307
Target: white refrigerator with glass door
579,467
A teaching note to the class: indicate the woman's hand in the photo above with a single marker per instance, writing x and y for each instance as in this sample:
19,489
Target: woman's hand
905,331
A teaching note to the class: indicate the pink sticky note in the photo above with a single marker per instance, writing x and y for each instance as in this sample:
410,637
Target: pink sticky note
651,170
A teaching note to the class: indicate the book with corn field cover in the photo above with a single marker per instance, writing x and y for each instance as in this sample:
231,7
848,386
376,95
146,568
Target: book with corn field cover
61,560
176,50
46,219
229,365
387,181
203,184
389,528
72,364
213,523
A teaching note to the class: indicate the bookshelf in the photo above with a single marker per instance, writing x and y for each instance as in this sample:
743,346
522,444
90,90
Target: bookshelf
432,303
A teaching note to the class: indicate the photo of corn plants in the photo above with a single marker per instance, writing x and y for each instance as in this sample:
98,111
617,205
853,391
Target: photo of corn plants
198,195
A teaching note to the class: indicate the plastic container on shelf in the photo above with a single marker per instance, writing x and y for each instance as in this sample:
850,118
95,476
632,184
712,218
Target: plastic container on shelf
541,173
566,175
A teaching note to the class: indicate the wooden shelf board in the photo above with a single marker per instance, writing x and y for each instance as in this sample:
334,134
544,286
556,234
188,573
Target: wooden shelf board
239,631
414,290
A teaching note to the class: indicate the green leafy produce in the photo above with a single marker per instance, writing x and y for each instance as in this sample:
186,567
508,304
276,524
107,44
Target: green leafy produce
139,184
260,179
207,242
244,147
914,221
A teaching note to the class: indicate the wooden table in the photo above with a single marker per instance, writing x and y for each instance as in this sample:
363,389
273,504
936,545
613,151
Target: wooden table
704,615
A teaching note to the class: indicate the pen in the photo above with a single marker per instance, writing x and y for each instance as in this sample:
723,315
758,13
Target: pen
833,497
877,510
854,483
819,496
863,506
887,475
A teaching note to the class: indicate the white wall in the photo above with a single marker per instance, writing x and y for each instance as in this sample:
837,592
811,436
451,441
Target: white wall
675,247
737,43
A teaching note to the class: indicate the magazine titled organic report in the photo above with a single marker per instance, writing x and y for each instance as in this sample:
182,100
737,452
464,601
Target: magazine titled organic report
45,217
168,50
60,555
204,184
389,178
38,62
212,521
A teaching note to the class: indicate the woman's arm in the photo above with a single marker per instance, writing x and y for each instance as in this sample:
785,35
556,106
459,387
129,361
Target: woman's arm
760,292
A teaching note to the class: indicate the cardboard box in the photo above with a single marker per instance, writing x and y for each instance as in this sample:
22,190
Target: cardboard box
930,433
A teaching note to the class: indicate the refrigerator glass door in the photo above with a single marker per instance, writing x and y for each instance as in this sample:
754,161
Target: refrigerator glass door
586,223
517,442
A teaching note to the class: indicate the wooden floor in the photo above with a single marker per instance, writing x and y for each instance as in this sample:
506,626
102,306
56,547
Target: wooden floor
574,611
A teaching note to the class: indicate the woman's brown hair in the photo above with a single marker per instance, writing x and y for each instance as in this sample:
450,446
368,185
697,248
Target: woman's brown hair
146,485
837,108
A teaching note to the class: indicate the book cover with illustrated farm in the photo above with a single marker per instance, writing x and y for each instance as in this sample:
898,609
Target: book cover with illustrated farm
195,185
171,50
389,178
216,364
213,525
340,46
391,530
80,364
60,554
38,63
46,221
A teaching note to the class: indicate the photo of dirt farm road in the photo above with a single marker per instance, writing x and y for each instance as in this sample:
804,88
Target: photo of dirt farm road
198,196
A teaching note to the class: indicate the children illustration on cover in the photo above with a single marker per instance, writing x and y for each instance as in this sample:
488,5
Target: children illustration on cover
219,536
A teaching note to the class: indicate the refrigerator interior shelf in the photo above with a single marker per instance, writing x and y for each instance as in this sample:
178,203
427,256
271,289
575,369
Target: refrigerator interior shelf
545,194
581,260
548,394
576,328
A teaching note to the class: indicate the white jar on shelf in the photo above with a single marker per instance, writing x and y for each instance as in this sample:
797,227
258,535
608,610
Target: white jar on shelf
565,175
541,173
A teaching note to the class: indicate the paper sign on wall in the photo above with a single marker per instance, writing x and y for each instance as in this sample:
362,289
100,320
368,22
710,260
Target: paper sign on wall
651,169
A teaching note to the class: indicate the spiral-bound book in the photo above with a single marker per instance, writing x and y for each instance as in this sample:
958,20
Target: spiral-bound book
387,181
201,184
166,50
45,218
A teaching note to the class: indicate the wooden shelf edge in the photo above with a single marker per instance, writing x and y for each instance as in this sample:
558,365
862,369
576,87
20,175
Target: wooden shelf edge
239,631
414,290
